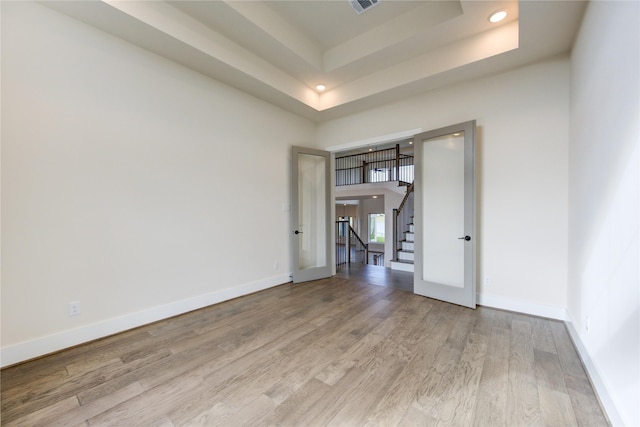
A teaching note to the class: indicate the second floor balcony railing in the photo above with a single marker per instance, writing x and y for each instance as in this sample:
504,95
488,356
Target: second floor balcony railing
375,166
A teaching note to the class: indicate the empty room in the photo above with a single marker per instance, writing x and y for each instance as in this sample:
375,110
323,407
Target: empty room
309,213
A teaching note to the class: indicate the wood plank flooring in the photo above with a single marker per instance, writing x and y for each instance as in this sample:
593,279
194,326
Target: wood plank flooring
334,352
377,275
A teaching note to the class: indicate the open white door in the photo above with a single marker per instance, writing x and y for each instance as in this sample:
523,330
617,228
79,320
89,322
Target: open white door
311,214
444,217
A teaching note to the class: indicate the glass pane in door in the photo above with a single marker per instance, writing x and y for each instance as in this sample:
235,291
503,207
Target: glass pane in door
312,211
443,214
444,221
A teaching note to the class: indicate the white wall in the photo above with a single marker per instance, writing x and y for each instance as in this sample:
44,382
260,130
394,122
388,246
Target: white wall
523,118
130,184
604,214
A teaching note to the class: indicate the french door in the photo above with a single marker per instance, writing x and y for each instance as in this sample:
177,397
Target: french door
311,214
444,215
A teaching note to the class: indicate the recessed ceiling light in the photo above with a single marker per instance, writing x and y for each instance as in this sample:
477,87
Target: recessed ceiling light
498,16
320,87
375,197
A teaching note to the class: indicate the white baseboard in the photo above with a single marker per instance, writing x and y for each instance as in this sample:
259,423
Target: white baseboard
31,349
560,313
596,381
401,266
521,306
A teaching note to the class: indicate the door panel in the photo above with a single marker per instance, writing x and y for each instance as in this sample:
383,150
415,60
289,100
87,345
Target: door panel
311,214
445,214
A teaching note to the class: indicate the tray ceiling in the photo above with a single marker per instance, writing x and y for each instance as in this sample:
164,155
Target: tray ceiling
280,50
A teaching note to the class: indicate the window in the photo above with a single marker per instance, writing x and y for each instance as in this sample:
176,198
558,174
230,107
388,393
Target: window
376,228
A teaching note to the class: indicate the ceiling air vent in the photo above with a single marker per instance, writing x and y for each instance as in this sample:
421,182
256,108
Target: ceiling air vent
361,5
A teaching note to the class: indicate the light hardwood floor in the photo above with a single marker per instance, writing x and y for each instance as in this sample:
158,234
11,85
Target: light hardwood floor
337,352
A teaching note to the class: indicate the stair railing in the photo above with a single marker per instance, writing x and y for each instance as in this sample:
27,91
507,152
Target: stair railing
376,166
402,219
349,246
378,258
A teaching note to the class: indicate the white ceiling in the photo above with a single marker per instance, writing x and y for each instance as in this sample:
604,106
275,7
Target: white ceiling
279,50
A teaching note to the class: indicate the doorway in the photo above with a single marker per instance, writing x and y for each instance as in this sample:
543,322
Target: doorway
444,218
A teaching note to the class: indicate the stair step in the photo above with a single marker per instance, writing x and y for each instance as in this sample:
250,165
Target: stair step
402,266
407,245
405,255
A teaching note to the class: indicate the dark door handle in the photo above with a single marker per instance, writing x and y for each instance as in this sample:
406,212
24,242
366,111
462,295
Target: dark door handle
297,232
467,238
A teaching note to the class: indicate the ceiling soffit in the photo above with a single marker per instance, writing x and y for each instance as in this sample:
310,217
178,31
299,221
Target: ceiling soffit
325,41
279,50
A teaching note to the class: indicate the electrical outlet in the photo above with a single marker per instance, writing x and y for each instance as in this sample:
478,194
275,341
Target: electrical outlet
587,323
74,308
276,264
487,281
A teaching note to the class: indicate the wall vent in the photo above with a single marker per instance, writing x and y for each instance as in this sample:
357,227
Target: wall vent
361,5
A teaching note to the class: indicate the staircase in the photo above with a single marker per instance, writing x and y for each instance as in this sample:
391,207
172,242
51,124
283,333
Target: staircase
404,233
404,261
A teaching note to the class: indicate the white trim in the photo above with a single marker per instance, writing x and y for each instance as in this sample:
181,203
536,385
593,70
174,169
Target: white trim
522,306
561,313
401,266
23,351
397,136
599,386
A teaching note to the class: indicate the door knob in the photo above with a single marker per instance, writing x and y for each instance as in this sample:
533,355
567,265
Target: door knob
467,238
297,232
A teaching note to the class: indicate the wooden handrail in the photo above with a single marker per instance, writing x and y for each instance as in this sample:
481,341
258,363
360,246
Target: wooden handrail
366,245
396,215
406,197
354,232
358,244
